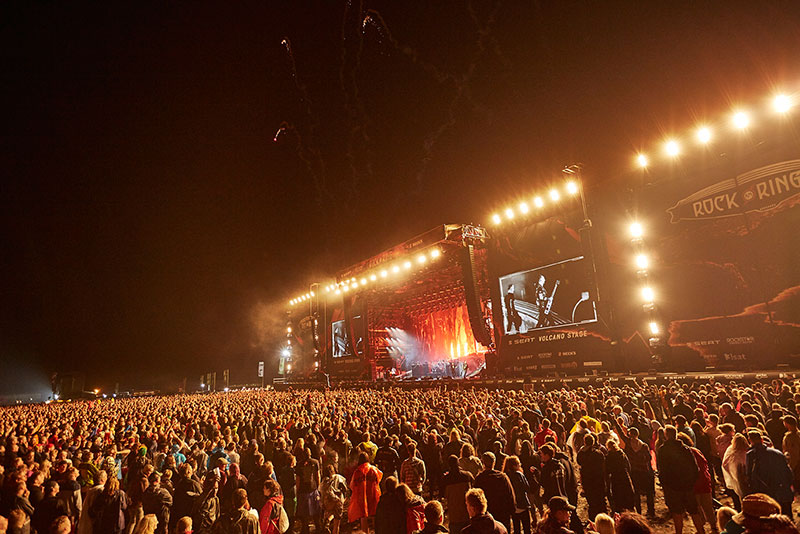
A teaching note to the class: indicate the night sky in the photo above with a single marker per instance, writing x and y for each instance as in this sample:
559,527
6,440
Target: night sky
151,227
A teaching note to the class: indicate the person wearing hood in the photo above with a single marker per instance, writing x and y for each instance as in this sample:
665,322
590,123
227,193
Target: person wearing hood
272,517
480,520
239,520
365,487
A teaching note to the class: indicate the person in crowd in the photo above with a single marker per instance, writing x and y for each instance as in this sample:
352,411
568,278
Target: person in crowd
414,508
183,525
604,524
49,509
734,467
558,517
236,480
677,470
521,517
632,523
390,514
365,491
641,472
768,472
498,490
620,485
272,516
412,470
333,494
468,461
702,486
157,501
434,519
455,485
147,525
308,480
480,520
790,444
592,461
239,520
108,510
206,509
187,490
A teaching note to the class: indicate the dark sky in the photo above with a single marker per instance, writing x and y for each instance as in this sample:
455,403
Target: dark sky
152,229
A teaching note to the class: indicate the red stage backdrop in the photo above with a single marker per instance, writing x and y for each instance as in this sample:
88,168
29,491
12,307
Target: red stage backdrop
446,334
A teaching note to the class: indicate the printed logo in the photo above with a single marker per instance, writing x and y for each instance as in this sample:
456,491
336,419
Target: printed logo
760,190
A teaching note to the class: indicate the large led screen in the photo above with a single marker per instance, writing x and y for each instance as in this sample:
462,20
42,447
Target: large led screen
555,295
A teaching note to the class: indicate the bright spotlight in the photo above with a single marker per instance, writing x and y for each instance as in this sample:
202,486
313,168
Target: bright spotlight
363,281
396,269
354,285
554,196
523,207
642,262
422,258
226,390
642,160
373,277
338,291
648,295
345,288
538,202
313,294
202,386
286,353
509,213
384,273
741,120
782,103
654,329
704,134
672,148
572,188
406,265
496,219
288,329
636,230
288,366
435,253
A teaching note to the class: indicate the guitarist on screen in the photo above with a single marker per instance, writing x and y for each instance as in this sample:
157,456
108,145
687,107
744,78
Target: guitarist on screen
543,302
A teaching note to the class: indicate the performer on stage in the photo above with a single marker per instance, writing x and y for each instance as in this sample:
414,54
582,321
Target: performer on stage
511,309
541,302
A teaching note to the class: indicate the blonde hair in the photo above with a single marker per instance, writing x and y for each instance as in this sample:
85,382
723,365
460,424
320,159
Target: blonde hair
604,524
146,525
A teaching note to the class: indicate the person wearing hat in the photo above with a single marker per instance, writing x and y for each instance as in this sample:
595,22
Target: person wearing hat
556,519
756,510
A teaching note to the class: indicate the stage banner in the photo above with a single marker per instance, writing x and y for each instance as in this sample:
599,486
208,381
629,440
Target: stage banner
722,231
544,299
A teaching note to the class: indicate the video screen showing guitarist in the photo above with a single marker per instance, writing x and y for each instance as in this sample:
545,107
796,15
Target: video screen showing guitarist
544,303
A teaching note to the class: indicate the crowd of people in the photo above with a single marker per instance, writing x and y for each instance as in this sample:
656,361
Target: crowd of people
469,460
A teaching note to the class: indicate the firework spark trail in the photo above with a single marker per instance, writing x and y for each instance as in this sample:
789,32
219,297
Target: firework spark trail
463,89
301,151
302,90
375,19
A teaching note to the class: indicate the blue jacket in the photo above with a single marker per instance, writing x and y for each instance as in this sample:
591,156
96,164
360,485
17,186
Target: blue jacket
769,472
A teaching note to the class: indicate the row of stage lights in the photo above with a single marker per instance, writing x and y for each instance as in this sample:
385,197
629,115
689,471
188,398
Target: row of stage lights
380,273
383,272
739,119
642,262
571,187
